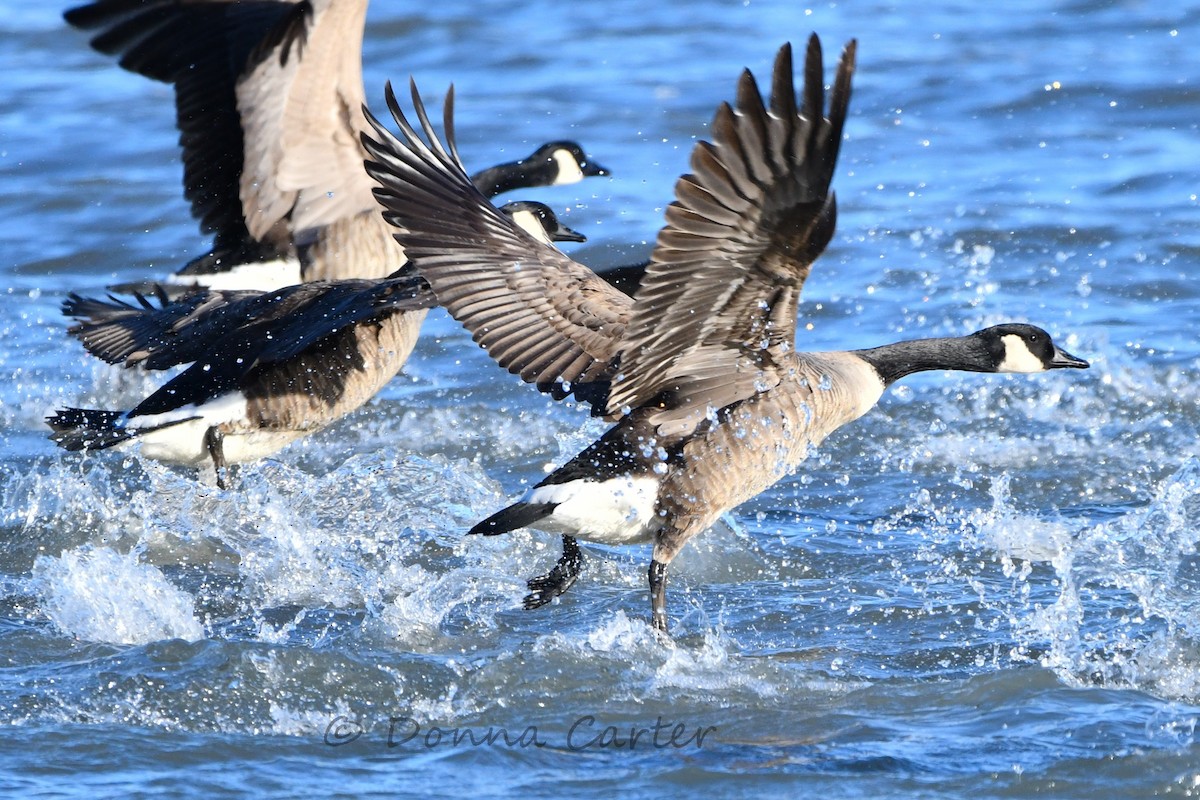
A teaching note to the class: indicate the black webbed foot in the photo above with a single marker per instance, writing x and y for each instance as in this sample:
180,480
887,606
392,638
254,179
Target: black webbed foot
545,588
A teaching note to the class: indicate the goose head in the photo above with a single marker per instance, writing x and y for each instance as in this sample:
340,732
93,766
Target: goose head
1017,347
567,162
1011,347
540,222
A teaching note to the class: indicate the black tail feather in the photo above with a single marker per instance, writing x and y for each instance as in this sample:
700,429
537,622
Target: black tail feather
518,515
88,428
96,429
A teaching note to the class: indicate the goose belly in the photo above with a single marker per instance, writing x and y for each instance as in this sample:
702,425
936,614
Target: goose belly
307,393
177,436
760,442
612,511
253,445
358,246
183,443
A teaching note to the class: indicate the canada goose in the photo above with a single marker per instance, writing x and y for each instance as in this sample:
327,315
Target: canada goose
268,102
713,403
267,368
268,99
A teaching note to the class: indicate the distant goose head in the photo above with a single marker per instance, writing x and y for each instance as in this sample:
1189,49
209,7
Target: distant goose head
1010,347
570,163
553,164
540,222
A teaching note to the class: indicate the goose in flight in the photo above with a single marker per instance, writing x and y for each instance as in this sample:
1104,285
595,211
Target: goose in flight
711,400
268,101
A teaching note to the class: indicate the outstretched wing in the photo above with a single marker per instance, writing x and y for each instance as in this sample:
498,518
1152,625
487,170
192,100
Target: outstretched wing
268,97
264,327
538,313
301,109
202,49
718,304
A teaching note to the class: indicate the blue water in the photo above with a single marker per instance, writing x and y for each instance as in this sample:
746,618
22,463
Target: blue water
987,587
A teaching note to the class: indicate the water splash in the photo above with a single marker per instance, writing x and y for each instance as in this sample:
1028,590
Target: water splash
1128,611
98,594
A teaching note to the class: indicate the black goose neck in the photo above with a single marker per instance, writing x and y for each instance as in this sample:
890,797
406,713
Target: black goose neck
895,361
512,175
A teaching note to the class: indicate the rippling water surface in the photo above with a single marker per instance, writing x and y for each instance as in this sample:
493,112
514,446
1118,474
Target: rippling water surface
987,587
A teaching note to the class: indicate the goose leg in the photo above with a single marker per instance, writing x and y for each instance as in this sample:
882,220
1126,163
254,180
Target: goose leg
214,443
558,580
658,594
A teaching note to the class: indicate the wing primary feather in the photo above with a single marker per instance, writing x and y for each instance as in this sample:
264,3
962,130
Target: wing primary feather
741,236
783,97
839,103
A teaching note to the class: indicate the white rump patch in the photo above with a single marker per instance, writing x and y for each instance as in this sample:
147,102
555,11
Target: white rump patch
183,443
261,276
569,170
615,511
1018,357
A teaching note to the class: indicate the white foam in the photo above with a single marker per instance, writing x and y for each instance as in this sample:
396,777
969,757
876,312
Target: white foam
1147,636
629,645
100,595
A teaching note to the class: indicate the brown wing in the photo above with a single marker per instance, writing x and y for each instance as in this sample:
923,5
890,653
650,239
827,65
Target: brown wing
718,304
538,313
202,49
301,111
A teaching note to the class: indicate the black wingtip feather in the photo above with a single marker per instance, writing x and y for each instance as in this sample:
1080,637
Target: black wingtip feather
839,103
783,94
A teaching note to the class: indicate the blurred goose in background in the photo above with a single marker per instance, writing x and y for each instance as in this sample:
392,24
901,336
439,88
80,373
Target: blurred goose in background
268,99
267,368
712,402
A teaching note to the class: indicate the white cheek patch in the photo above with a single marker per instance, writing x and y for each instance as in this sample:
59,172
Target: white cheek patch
531,224
569,170
1018,357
